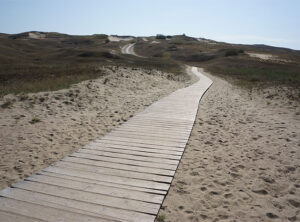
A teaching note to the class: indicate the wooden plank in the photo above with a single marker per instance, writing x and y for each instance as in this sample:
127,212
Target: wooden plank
93,181
134,152
44,213
163,138
13,193
153,134
113,172
129,156
77,206
153,130
160,126
110,178
145,141
95,188
120,166
11,217
142,145
125,161
152,121
133,148
145,117
88,197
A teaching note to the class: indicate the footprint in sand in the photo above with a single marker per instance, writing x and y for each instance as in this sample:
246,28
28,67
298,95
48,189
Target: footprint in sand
294,203
261,192
228,195
271,215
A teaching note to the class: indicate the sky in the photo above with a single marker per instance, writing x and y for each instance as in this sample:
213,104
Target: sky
270,22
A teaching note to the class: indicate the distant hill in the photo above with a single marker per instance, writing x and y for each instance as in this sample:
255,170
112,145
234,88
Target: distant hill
35,56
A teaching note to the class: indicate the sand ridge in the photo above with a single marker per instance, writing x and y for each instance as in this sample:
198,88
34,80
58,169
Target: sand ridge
268,57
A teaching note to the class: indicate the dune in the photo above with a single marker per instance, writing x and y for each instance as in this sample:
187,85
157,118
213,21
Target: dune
118,39
38,129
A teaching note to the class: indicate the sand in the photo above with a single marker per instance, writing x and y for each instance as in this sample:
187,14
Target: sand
268,57
36,35
242,162
155,42
41,128
118,39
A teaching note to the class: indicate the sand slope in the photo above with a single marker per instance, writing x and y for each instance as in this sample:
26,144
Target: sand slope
242,162
71,118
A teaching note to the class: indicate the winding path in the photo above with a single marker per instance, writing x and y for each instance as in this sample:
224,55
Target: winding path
129,49
123,176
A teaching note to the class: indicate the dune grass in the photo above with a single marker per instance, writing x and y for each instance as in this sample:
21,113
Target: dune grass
28,78
251,73
30,65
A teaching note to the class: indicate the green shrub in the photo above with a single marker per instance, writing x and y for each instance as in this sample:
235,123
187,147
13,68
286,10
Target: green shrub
231,52
160,36
35,120
109,55
161,218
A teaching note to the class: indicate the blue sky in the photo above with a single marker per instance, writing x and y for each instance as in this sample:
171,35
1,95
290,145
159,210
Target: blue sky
272,22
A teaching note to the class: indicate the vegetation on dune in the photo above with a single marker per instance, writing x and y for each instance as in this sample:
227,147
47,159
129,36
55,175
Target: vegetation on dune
250,72
57,60
230,61
233,52
26,78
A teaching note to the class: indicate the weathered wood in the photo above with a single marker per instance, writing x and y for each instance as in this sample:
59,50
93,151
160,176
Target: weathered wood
11,217
142,145
110,178
145,141
120,166
95,188
179,139
75,206
134,152
113,172
130,156
134,148
49,214
88,197
93,181
125,161
152,129
175,136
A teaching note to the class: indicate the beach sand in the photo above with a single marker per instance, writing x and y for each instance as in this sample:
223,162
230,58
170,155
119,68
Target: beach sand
242,162
41,128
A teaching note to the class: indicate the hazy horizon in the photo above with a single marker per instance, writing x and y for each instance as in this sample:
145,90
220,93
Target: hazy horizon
266,22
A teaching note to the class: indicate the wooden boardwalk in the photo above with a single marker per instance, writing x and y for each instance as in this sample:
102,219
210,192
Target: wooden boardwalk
123,176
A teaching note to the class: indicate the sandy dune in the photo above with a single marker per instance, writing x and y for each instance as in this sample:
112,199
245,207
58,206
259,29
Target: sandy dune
267,57
36,35
242,162
118,39
155,42
44,127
